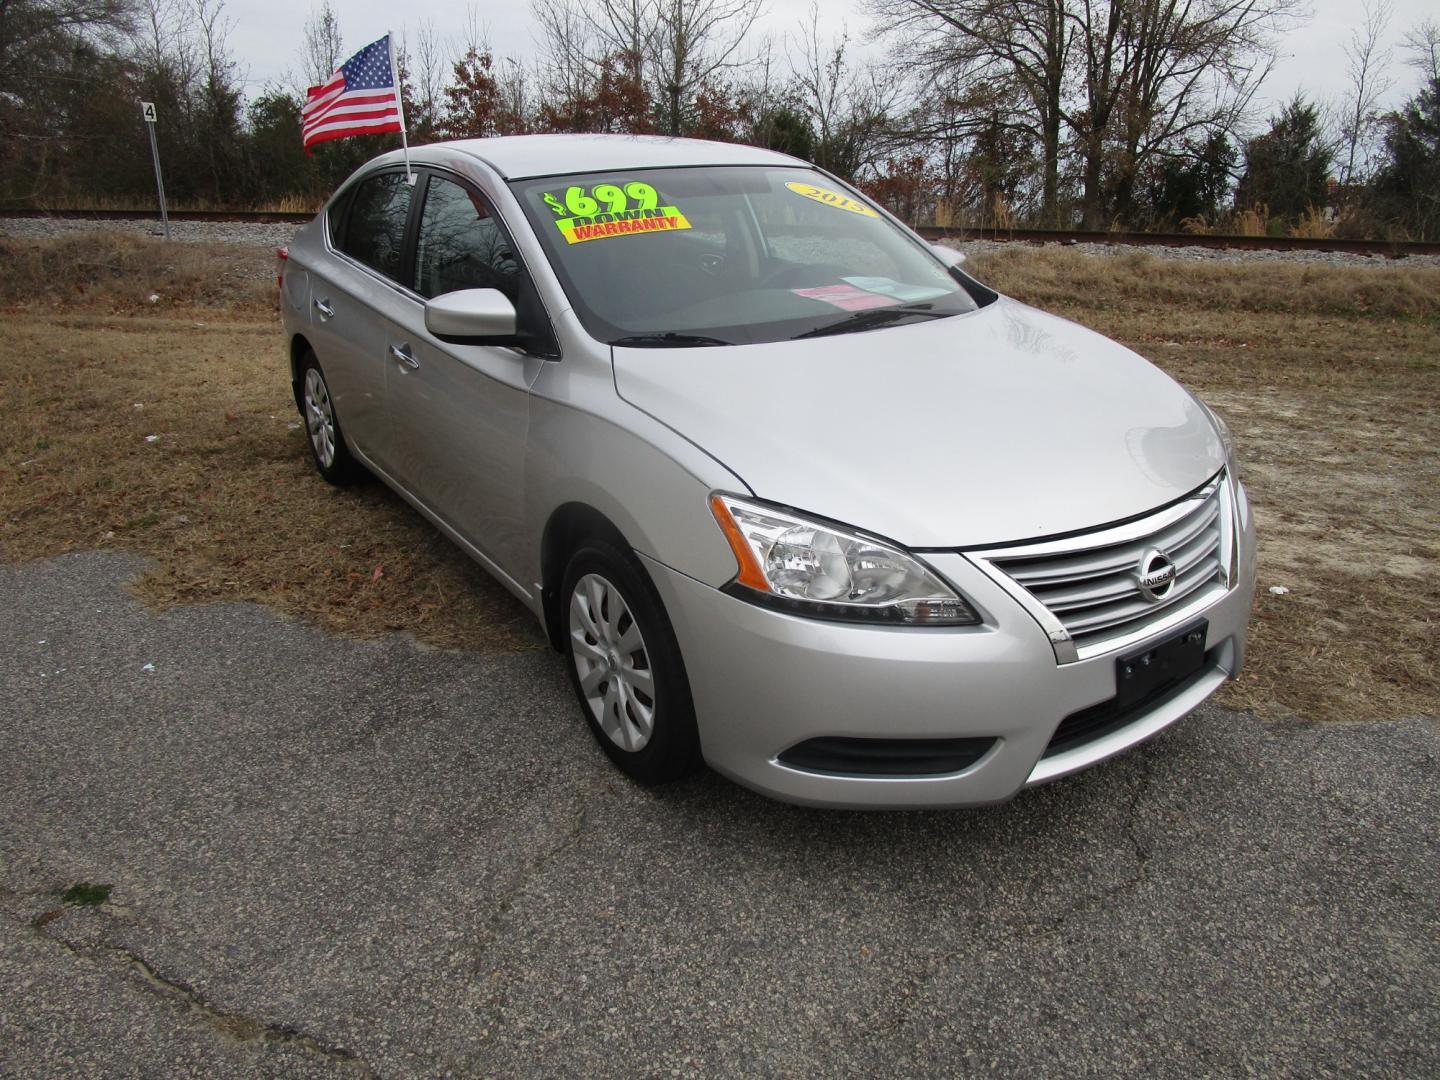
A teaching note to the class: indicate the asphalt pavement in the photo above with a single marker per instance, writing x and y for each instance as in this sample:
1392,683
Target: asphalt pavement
333,857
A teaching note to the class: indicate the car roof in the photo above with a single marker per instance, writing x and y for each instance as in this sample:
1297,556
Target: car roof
520,157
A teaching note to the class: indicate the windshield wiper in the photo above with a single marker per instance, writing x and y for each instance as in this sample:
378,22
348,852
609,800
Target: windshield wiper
669,337
869,320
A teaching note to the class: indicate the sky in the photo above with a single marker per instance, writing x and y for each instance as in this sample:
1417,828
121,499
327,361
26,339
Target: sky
267,34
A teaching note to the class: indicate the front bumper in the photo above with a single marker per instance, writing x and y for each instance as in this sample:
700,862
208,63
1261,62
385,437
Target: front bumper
764,681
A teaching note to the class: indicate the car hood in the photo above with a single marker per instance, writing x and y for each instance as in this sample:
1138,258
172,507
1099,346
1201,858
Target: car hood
997,426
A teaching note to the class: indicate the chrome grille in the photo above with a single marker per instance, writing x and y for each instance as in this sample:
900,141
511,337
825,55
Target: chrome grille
1091,583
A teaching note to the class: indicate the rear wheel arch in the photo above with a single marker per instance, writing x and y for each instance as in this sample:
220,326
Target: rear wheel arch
299,347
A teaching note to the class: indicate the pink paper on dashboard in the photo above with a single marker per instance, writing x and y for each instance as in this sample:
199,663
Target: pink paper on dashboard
847,297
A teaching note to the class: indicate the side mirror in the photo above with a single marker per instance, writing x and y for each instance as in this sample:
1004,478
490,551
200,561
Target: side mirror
949,256
472,317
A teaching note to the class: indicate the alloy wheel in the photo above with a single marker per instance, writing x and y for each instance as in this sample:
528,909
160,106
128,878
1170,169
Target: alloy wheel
616,679
320,417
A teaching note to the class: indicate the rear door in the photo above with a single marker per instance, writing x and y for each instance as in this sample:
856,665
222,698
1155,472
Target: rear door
354,293
460,413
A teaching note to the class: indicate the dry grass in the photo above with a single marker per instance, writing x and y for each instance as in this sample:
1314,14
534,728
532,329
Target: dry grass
1076,285
288,204
1313,225
1330,378
225,498
1251,223
118,272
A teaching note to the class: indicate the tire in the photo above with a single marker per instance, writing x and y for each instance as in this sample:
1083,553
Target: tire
626,668
322,427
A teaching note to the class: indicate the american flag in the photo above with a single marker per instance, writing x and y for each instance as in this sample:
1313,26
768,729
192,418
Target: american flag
359,99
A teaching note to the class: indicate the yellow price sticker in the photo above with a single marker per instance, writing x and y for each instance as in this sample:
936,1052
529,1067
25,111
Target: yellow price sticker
831,198
626,223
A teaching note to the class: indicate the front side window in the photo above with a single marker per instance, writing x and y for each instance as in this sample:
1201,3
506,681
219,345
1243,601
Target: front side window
731,256
375,226
460,245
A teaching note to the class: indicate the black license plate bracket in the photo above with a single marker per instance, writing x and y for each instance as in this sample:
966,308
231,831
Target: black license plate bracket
1165,663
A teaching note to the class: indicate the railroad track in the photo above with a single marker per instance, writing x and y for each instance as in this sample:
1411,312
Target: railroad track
259,217
1388,248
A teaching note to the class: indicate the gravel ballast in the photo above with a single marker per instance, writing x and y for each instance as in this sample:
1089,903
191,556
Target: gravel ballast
185,232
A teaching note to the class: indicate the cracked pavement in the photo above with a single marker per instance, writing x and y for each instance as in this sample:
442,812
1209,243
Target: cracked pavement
341,858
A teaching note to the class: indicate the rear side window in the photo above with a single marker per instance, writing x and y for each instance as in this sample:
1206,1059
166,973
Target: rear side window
460,245
335,215
375,226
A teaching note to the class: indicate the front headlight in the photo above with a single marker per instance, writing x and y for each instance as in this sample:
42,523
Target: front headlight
811,567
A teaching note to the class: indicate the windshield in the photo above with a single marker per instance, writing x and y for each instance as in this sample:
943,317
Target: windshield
718,256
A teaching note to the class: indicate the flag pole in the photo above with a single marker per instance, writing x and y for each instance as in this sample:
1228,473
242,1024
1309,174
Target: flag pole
400,105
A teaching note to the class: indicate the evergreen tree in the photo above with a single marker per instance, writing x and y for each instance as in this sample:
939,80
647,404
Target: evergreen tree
1408,185
1288,168
1194,186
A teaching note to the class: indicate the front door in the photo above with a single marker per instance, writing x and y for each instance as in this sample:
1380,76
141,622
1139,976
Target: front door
460,413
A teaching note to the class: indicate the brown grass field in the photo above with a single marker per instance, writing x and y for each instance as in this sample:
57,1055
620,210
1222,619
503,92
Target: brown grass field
1330,378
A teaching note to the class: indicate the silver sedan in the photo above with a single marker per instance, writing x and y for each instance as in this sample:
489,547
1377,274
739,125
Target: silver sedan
794,495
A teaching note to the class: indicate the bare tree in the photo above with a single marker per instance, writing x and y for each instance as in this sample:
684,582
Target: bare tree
1422,42
1008,49
848,107
625,28
693,42
163,42
53,56
220,73
982,160
432,59
1366,64
1130,79
592,72
216,120
516,95
477,32
669,52
30,31
568,48
323,47
1174,70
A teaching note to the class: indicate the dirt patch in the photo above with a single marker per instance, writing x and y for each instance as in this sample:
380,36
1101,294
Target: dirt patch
1338,422
1340,445
177,438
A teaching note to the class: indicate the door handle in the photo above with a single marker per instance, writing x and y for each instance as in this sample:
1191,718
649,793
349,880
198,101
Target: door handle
403,355
326,311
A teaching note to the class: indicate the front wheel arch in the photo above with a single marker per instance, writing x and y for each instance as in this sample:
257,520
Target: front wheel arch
569,528
646,722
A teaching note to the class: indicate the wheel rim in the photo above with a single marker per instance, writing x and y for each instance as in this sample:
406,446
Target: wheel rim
320,417
616,679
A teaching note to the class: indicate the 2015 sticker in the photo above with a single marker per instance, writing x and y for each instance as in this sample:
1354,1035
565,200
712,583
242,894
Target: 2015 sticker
606,210
831,198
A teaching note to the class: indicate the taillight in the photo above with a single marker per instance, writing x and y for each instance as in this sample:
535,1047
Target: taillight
282,255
